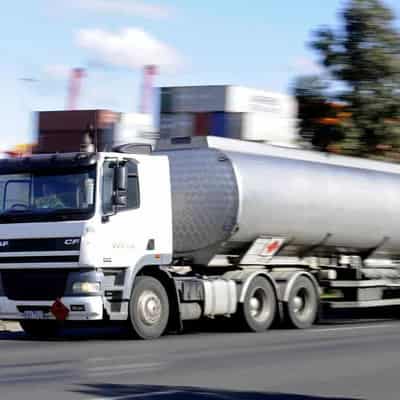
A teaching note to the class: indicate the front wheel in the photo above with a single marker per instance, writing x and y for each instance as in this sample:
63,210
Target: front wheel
258,310
148,308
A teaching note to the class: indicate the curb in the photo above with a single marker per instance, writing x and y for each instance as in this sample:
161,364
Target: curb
10,326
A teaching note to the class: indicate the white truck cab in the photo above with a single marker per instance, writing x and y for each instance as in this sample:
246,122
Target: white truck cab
74,230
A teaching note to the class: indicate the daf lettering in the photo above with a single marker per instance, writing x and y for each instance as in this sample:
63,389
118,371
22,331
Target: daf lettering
3,243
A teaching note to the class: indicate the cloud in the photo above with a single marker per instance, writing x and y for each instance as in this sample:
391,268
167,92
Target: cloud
138,8
304,65
130,48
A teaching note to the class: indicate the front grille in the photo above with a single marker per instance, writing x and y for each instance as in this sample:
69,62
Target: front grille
45,309
34,284
42,244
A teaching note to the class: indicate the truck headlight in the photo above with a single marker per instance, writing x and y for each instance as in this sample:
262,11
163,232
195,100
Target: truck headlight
86,287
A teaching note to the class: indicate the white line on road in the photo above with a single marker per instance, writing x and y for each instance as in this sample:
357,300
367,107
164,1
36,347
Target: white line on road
123,369
126,366
351,328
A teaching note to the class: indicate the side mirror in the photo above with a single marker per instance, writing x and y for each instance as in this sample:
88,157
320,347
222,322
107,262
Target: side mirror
120,186
120,199
121,178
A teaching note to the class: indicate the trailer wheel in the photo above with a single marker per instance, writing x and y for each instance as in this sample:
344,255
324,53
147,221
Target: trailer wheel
40,329
301,309
258,310
148,308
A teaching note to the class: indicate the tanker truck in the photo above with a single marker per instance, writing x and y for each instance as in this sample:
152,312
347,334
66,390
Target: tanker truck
197,228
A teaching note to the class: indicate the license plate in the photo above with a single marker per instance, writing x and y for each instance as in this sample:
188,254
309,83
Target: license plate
37,314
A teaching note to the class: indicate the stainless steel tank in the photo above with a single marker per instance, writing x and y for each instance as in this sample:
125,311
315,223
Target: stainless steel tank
227,193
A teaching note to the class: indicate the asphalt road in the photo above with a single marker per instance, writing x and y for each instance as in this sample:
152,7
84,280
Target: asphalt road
342,361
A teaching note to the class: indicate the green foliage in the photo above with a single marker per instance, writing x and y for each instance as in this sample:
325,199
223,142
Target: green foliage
363,56
313,107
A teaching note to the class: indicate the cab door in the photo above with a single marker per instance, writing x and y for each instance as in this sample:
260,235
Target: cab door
140,232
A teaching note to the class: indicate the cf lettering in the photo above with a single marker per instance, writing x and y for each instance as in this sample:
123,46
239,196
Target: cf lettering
71,242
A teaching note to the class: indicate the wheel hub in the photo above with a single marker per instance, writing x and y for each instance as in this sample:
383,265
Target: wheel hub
255,306
259,306
298,304
149,306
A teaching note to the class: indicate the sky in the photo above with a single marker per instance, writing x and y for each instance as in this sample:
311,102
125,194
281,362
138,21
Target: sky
258,43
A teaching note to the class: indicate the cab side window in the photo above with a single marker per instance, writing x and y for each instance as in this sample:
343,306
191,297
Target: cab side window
133,197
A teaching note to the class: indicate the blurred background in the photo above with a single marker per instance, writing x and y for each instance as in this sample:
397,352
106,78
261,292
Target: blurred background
324,76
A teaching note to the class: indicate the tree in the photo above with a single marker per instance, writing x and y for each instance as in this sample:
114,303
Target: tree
364,58
317,115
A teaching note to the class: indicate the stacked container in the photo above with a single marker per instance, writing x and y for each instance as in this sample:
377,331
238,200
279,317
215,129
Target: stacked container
66,131
227,111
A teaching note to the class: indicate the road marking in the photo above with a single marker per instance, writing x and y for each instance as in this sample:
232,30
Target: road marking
37,377
348,328
111,370
122,366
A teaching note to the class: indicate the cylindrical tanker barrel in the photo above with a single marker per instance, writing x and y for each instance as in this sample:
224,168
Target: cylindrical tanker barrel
309,203
224,198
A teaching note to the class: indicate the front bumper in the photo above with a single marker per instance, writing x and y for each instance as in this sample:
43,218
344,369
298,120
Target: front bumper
93,308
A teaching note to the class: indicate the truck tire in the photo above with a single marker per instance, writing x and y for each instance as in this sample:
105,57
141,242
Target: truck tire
148,308
301,309
40,329
258,310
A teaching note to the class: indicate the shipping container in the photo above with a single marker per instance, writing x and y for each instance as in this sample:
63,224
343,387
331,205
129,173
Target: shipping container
200,99
64,131
193,99
166,125
166,100
201,124
227,125
219,124
229,111
247,100
235,125
177,125
135,128
260,127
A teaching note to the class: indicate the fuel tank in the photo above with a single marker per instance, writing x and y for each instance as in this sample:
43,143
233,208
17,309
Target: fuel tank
226,193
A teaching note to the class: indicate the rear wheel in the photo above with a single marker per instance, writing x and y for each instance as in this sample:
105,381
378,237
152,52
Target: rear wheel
40,329
258,310
148,308
301,309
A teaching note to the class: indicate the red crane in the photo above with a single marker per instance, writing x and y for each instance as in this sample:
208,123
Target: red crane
74,88
149,72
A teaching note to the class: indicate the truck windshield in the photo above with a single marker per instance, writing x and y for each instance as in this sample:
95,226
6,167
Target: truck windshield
47,196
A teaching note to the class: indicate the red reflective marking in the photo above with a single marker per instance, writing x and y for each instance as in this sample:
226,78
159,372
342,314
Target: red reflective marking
59,310
272,246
